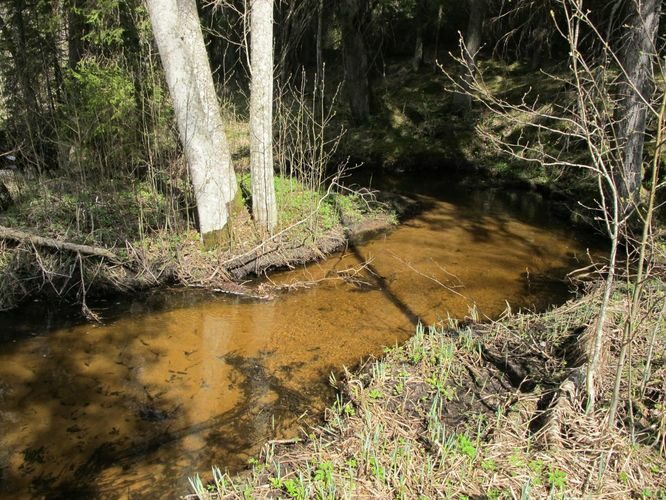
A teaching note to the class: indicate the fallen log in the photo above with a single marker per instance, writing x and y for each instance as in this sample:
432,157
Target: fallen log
7,233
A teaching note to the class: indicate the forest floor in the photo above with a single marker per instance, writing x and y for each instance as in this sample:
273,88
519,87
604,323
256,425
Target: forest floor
480,410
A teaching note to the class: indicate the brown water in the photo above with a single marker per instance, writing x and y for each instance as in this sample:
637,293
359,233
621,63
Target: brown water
175,382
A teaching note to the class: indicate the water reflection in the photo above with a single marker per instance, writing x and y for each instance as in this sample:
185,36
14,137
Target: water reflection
175,383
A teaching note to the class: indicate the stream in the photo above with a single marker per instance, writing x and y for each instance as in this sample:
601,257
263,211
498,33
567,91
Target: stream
175,381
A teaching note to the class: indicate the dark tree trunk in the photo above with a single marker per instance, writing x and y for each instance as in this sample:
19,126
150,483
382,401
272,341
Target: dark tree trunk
539,40
440,14
319,40
22,59
75,31
296,22
5,197
283,40
635,89
462,101
353,15
420,20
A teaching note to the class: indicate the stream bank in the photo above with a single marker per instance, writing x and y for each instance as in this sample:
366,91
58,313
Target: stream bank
47,252
150,224
473,410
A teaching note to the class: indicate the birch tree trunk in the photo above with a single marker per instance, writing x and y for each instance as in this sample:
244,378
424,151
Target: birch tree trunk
180,43
264,208
635,91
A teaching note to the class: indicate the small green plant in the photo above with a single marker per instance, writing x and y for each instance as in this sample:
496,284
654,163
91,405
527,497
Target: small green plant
449,393
489,465
537,467
557,479
375,394
295,489
494,493
324,473
444,354
377,469
436,383
416,355
516,459
277,483
466,446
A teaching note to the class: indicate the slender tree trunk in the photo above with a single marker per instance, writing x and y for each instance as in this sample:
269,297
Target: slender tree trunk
180,43
462,101
264,208
635,90
319,41
353,16
417,59
440,14
75,32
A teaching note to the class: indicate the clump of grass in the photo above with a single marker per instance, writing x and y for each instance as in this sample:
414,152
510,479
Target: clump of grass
315,211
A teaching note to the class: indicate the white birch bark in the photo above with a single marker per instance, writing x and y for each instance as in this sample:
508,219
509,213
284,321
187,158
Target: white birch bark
264,208
180,43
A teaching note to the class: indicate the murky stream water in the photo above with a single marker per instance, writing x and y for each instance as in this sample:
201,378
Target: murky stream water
175,382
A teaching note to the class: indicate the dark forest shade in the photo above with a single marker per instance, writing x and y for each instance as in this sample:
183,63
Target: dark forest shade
353,15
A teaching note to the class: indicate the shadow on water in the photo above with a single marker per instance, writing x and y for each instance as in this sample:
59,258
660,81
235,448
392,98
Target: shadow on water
64,454
174,383
384,286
